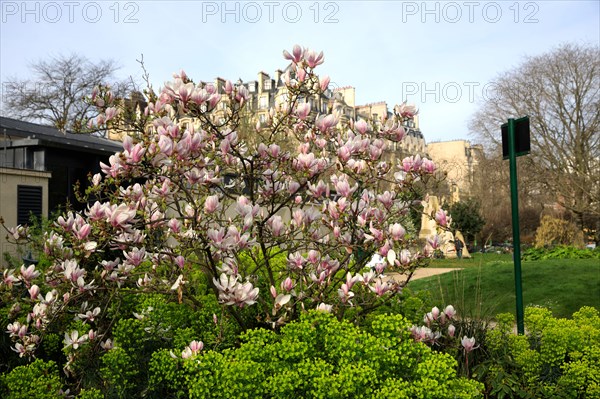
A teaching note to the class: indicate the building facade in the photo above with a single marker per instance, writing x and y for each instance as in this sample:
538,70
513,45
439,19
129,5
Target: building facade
459,160
39,166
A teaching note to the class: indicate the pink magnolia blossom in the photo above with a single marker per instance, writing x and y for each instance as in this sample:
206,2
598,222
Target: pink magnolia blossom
301,74
451,330
90,315
74,340
192,349
442,218
428,166
96,179
281,300
324,123
9,278
107,344
111,113
380,287
186,184
435,241
121,216
211,204
29,273
135,256
405,257
323,307
468,344
396,231
313,59
228,87
450,312
406,111
242,95
302,110
387,199
344,293
361,126
19,232
324,82
296,55
34,291
296,261
287,284
276,225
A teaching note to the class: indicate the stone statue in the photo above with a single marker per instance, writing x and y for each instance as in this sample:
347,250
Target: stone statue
429,229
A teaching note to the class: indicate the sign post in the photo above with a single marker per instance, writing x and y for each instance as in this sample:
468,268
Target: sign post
516,142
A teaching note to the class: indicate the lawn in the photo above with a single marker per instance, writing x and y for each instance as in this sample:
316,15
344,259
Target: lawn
486,285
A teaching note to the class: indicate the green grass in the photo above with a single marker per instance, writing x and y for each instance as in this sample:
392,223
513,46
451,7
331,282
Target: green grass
476,260
486,286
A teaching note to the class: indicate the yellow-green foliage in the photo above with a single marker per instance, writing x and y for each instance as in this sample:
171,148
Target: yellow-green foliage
38,380
557,358
318,357
554,231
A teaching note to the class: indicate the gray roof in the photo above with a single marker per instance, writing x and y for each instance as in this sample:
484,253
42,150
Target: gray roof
13,129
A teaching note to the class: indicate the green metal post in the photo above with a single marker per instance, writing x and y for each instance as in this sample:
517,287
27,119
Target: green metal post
514,199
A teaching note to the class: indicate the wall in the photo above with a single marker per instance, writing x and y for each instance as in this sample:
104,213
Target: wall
9,180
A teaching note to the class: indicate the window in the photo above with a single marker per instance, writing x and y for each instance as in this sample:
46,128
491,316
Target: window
268,84
263,102
29,201
252,87
38,160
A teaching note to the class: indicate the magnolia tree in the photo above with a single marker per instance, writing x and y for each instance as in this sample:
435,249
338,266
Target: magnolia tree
191,194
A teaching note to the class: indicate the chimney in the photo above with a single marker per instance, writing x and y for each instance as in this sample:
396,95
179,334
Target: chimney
278,74
262,77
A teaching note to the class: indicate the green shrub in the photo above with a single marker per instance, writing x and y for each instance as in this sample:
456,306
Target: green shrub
119,372
556,231
559,252
90,394
317,357
557,358
38,379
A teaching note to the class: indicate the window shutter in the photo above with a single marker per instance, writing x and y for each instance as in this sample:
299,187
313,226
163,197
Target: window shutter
29,200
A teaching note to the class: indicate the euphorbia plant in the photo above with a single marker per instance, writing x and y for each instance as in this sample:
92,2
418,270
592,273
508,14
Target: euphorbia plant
193,192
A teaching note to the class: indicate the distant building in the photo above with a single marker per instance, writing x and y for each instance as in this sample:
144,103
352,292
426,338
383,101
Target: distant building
413,143
39,166
458,159
266,93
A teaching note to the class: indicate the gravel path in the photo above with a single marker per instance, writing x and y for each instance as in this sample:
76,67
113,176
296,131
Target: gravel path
425,272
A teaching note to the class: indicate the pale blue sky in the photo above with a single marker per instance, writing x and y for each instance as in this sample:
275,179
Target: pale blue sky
437,54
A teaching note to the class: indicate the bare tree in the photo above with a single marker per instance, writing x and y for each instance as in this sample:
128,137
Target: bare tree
491,188
56,94
560,91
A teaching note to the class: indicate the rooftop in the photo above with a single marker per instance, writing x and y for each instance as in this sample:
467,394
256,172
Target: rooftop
13,129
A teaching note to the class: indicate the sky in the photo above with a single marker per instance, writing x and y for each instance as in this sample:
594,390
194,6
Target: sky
439,55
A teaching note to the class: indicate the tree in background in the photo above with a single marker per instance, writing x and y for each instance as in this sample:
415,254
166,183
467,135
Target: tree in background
560,91
556,231
466,218
56,94
491,188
